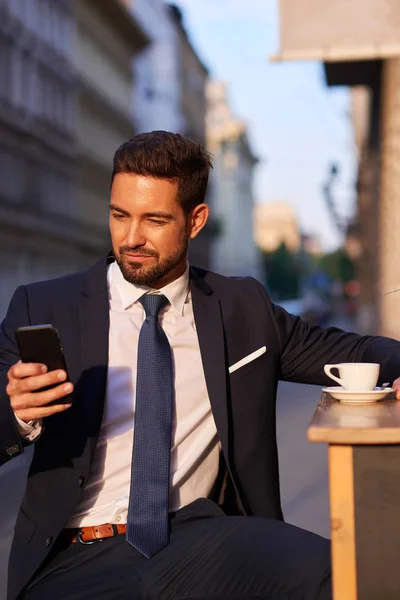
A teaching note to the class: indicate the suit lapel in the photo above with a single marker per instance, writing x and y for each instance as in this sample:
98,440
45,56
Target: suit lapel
208,318
94,327
67,319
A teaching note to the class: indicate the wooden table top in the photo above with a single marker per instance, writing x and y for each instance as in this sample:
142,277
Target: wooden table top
337,423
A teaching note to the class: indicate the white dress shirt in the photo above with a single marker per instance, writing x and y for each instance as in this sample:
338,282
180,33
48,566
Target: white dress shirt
195,446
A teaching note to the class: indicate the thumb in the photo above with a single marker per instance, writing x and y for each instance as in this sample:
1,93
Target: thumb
396,387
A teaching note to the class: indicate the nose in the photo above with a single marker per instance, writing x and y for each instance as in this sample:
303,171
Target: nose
135,236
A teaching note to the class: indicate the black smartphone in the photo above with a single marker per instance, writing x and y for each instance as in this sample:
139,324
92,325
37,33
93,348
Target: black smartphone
42,344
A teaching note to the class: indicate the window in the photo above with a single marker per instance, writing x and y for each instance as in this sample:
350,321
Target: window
33,175
16,77
67,32
57,192
52,100
63,116
13,7
26,82
45,94
61,30
59,104
36,17
70,110
40,92
49,96
12,175
32,16
33,105
5,68
23,10
45,28
51,17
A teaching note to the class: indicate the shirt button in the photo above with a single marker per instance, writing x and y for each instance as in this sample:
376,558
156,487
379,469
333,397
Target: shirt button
81,481
119,519
48,541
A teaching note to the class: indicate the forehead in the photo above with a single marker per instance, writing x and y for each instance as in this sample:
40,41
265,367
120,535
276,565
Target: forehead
139,191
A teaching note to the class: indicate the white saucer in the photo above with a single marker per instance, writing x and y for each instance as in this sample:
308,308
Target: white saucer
355,397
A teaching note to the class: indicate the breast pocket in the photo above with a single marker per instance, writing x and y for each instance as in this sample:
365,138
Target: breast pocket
256,363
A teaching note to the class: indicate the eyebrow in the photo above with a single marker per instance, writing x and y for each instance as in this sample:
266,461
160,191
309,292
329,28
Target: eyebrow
155,214
159,215
118,209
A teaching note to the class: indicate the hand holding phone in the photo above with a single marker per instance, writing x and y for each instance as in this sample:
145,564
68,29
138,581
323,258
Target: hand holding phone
38,385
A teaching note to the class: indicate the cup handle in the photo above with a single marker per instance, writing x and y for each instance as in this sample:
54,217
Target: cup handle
328,369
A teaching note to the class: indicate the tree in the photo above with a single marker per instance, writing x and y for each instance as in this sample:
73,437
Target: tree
282,272
339,266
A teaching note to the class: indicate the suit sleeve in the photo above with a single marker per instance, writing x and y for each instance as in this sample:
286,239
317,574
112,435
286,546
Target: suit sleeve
305,349
11,443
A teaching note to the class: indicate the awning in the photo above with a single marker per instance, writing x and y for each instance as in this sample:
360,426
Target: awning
339,30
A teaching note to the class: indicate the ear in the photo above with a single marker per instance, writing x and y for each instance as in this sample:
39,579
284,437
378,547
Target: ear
197,220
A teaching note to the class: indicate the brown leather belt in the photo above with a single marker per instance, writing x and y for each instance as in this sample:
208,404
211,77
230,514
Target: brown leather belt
91,535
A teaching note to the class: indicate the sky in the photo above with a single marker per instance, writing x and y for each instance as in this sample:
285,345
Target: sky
297,125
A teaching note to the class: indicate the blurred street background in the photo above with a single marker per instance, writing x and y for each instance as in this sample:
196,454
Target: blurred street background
299,103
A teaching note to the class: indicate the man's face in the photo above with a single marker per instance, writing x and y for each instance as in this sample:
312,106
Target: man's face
149,230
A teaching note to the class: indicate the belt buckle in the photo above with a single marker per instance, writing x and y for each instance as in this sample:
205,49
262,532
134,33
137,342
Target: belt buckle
81,541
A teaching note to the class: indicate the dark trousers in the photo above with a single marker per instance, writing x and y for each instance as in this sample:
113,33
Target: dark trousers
210,555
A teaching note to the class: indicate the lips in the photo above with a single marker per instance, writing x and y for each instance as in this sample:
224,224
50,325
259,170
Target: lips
138,256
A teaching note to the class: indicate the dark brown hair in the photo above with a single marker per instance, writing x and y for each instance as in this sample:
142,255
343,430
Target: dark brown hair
165,155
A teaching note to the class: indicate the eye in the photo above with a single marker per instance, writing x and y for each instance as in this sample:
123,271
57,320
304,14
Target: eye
157,221
118,216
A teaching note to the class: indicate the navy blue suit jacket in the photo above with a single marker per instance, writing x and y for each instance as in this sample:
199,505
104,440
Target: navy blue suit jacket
234,317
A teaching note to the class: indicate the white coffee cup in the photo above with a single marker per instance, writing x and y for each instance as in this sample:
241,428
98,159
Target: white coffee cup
360,377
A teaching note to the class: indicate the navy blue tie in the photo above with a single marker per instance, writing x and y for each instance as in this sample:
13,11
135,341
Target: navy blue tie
148,526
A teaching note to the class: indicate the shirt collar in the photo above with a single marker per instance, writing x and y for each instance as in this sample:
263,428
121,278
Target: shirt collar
176,291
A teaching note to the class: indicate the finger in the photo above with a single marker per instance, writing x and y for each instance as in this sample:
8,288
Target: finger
37,382
21,370
396,391
33,414
38,399
396,387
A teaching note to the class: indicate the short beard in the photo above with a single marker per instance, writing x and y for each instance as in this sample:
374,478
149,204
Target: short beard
138,274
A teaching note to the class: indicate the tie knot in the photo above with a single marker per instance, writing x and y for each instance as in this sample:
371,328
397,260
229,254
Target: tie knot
153,303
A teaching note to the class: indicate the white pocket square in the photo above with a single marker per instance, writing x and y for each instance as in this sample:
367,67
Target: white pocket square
247,359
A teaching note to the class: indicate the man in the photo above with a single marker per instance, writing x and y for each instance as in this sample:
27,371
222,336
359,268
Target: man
160,479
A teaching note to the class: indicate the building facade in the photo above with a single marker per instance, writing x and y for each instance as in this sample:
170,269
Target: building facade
192,80
170,90
107,41
234,251
276,223
192,85
57,130
157,93
171,79
359,43
38,94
